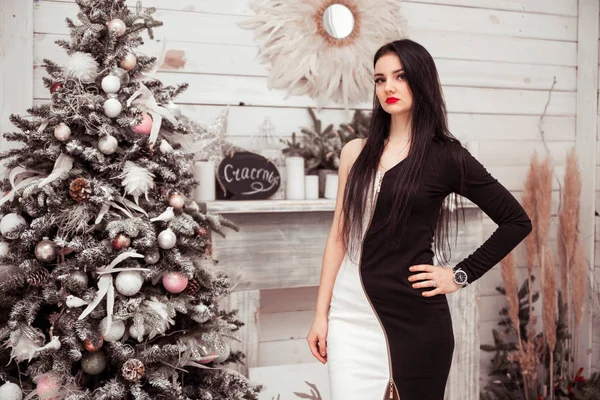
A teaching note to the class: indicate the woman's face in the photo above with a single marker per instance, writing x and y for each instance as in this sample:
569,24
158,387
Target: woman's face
391,87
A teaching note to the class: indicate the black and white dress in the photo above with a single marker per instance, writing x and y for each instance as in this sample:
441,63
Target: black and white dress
384,337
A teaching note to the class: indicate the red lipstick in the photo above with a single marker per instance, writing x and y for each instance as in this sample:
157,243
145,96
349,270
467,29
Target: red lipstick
391,100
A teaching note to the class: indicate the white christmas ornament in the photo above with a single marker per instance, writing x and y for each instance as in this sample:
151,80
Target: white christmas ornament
9,222
81,66
116,331
129,283
62,132
108,145
117,27
111,84
112,108
167,239
11,391
128,62
165,147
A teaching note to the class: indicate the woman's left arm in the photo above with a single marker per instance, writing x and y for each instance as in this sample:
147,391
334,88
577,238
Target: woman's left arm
480,187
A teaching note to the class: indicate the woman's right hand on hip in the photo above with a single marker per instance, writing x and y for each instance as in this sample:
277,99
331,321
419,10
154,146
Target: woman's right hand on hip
317,338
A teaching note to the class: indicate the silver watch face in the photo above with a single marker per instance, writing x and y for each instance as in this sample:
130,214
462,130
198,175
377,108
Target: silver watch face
460,277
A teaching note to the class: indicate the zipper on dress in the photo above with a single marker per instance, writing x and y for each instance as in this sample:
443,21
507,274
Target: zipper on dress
379,179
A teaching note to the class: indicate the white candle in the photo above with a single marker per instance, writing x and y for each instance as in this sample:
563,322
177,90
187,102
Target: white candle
294,178
311,187
204,171
331,185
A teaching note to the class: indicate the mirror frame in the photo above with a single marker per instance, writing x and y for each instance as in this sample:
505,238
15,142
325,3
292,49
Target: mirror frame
323,31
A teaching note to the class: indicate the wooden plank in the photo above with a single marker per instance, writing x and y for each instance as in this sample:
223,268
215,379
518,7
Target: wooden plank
432,17
16,64
247,303
519,152
587,129
465,46
253,91
270,206
513,176
289,325
284,353
289,299
237,7
205,58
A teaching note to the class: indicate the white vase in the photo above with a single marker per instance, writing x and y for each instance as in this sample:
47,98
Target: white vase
294,178
204,172
331,186
311,187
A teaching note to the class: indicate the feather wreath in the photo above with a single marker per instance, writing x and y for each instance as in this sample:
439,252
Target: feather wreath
304,59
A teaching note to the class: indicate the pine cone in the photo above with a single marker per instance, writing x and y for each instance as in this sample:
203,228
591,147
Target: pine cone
193,287
80,189
133,370
37,277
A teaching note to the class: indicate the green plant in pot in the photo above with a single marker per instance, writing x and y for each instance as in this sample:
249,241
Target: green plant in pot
321,150
357,128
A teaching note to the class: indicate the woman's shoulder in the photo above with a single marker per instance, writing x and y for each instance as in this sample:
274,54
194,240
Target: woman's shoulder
446,149
352,149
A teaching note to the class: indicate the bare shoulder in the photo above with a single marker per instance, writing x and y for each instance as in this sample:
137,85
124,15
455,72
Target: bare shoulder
351,150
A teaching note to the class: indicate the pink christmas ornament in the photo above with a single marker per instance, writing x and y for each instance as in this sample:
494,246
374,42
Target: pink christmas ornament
145,126
174,282
48,386
117,27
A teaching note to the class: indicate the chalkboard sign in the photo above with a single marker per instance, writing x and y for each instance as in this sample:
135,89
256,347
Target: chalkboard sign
248,176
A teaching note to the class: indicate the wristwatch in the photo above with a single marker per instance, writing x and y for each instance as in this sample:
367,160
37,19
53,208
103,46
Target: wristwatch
460,277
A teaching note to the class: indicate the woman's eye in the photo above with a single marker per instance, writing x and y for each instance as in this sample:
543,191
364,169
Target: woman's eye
378,80
402,77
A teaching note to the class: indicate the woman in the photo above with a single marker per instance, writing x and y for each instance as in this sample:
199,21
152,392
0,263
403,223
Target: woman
382,320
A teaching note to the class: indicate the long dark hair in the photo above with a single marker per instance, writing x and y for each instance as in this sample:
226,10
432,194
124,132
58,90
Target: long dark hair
428,122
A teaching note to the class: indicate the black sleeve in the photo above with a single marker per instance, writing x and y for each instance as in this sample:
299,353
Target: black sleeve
496,202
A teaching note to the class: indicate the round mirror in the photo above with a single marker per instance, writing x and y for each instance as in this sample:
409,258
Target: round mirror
338,21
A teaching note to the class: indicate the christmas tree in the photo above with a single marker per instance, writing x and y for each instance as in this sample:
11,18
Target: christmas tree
107,285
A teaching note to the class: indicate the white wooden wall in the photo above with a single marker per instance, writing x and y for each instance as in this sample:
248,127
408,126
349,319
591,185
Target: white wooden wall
497,60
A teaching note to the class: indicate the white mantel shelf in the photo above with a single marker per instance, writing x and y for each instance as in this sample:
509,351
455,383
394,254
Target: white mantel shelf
278,206
269,206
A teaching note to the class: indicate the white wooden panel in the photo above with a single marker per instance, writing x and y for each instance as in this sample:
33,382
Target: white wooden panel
183,25
16,64
284,352
513,176
492,152
204,58
289,299
288,325
247,306
237,7
561,7
587,129
465,46
252,91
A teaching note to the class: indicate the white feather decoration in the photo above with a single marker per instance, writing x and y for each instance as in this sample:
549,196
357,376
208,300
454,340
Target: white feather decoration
82,66
137,180
303,59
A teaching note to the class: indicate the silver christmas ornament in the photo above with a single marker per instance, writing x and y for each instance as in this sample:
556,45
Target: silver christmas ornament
128,62
80,278
111,84
167,239
4,248
45,251
116,331
112,108
122,75
129,283
11,391
108,145
177,201
62,132
94,363
10,222
152,258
